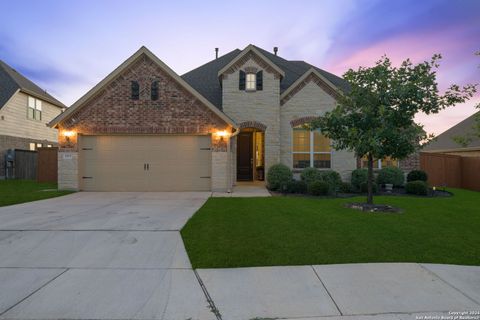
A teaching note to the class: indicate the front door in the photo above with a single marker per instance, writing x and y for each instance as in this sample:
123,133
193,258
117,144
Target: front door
245,156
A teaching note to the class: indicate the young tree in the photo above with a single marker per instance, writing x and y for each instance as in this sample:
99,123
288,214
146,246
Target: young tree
376,117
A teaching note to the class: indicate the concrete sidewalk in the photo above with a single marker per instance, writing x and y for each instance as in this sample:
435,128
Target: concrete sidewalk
350,291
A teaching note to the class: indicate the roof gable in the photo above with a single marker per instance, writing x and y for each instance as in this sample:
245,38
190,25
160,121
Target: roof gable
11,81
445,142
251,52
311,75
115,73
205,78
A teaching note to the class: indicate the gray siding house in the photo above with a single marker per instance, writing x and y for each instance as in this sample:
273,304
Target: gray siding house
25,109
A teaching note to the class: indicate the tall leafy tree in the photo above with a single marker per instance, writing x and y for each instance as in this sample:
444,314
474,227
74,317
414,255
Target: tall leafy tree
375,118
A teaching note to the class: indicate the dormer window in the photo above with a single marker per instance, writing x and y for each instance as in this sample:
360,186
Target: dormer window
251,82
135,90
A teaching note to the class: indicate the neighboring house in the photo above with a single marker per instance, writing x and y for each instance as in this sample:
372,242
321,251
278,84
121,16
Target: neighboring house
445,142
145,128
25,109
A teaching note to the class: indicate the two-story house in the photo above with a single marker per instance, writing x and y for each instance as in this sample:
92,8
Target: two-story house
144,127
25,110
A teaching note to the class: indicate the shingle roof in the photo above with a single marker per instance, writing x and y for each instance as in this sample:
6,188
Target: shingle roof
11,81
444,141
205,78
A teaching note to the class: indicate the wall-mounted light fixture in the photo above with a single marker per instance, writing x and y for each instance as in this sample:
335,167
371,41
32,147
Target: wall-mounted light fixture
68,134
221,134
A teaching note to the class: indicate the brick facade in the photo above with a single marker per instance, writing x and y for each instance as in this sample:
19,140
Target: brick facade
412,162
113,111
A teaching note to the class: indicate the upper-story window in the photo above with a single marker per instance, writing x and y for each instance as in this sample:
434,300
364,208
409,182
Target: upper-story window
310,149
250,81
154,91
34,109
135,90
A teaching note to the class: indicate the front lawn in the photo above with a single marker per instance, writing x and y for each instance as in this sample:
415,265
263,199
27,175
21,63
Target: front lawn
242,232
19,191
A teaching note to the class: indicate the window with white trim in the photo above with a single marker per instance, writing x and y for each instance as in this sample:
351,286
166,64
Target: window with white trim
310,148
251,81
34,109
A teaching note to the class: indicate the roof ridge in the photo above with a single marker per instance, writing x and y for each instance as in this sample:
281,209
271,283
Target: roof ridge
28,86
211,61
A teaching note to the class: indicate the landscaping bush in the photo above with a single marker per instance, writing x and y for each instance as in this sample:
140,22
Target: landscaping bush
278,177
297,186
332,178
359,176
364,187
346,187
391,175
310,174
417,187
318,188
417,175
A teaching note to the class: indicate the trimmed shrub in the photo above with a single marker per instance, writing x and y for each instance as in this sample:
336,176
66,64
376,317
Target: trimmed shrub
364,187
278,177
318,188
332,178
391,175
346,187
297,186
310,174
359,176
417,175
417,187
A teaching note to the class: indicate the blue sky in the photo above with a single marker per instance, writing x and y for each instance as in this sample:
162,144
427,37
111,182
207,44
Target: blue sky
68,46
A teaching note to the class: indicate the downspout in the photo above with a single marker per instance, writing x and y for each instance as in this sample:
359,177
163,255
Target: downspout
230,182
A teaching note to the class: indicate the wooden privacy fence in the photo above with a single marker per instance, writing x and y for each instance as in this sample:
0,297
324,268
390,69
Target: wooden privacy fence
47,163
25,166
451,170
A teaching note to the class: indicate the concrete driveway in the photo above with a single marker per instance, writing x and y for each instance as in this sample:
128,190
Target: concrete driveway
120,256
99,256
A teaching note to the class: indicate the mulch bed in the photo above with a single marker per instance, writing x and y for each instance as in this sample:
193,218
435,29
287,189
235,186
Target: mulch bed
374,208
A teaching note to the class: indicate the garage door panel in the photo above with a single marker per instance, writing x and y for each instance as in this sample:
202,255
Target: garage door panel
116,163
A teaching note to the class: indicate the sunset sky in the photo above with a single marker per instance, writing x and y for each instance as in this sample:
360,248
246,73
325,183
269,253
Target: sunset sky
67,47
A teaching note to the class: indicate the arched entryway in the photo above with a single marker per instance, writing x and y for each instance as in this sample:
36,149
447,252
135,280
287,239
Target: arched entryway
251,151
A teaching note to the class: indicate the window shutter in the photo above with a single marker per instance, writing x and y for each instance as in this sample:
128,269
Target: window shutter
135,90
241,82
259,80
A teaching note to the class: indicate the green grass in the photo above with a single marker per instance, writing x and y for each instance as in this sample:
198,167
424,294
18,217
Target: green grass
19,191
242,232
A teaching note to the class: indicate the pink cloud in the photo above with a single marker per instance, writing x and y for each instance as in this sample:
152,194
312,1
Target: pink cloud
458,65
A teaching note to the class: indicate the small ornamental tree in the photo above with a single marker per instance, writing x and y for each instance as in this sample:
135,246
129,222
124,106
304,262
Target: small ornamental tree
375,118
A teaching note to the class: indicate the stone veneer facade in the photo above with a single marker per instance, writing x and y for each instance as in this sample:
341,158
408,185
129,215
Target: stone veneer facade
310,102
265,110
112,111
261,108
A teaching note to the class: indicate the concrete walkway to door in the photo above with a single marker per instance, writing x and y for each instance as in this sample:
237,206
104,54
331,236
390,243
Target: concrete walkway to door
245,189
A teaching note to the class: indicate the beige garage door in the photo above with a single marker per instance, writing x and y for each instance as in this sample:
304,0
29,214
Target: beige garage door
145,163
